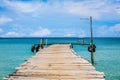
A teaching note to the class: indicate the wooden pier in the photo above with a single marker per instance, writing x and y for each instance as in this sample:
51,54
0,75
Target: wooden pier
57,62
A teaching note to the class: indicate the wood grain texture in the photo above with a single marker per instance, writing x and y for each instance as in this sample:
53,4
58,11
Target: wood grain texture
57,62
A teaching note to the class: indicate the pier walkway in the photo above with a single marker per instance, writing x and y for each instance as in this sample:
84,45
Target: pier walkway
57,62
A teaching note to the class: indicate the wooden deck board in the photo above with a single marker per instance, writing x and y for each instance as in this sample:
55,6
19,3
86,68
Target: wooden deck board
57,62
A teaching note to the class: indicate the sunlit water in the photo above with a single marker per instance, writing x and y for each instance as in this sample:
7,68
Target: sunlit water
14,51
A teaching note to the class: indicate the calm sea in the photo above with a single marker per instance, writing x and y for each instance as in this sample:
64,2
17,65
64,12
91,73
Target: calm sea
13,52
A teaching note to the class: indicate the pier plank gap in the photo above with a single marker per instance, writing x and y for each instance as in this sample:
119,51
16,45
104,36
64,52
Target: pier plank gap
57,62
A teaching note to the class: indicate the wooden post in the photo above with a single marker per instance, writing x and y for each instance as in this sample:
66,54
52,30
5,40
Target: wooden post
71,46
92,53
42,43
46,42
78,40
92,57
83,41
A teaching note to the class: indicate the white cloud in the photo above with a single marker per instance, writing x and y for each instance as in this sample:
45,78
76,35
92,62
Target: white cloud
109,30
21,32
1,31
11,34
118,10
69,35
103,30
115,28
4,20
20,6
41,32
77,33
96,8
80,9
100,10
82,33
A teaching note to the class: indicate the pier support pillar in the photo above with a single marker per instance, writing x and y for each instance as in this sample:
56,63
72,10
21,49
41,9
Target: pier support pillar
92,58
42,43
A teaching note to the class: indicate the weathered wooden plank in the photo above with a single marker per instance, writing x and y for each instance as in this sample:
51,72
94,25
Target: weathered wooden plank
58,62
38,78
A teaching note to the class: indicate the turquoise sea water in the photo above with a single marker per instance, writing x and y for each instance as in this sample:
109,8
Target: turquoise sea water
13,52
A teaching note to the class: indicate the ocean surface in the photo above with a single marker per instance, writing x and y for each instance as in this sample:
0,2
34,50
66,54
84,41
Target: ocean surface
13,52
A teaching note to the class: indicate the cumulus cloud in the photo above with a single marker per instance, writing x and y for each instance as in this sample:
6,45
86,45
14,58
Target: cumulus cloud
20,6
11,34
1,30
81,10
41,32
96,8
82,33
103,30
111,31
77,33
4,20
118,10
115,28
69,35
21,32
100,10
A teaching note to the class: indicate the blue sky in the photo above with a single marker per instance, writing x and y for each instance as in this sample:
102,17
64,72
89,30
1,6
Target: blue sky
59,18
